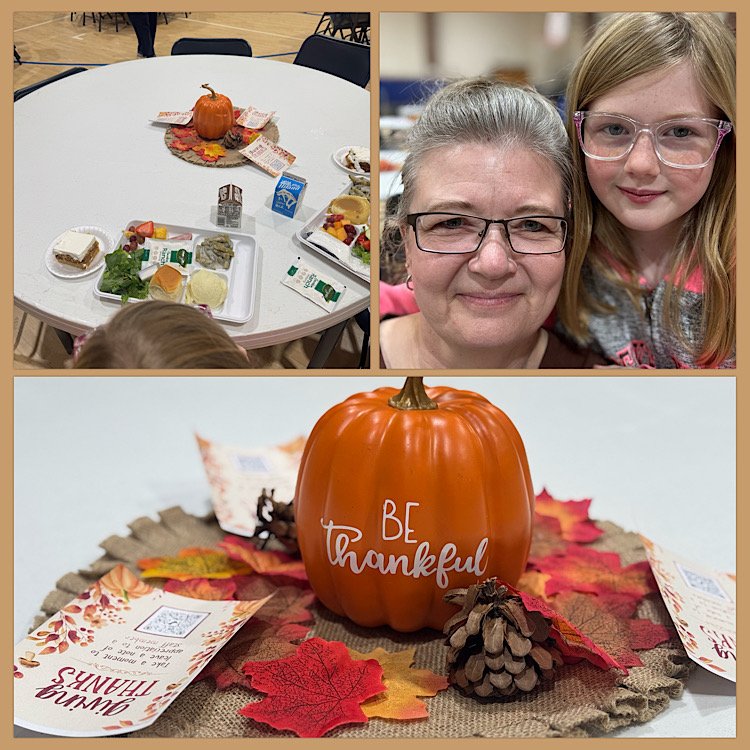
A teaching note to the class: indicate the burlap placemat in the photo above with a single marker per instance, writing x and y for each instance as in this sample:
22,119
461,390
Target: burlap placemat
583,701
232,158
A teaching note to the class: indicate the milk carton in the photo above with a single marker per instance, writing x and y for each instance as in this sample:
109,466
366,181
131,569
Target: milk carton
288,193
229,207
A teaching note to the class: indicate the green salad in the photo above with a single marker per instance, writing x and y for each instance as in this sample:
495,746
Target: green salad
121,275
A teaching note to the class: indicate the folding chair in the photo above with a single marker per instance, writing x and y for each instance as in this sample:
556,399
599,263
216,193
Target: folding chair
113,16
93,18
352,26
20,93
331,336
193,46
338,57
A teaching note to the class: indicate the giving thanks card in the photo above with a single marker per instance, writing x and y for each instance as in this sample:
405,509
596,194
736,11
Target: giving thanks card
238,476
703,606
113,659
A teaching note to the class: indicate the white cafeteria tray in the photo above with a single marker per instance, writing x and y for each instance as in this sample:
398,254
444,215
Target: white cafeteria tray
241,274
346,259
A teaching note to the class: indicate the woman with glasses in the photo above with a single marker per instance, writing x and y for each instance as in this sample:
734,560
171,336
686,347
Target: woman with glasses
483,221
650,281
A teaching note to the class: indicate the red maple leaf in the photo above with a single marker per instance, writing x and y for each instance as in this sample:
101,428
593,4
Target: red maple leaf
185,144
645,634
589,571
289,604
203,588
264,562
608,621
573,644
316,689
269,635
546,539
573,515
256,640
183,131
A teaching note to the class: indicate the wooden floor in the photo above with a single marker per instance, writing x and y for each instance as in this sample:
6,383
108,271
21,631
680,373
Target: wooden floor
50,42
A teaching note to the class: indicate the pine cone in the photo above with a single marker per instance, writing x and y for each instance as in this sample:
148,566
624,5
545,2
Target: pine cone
277,519
232,139
497,647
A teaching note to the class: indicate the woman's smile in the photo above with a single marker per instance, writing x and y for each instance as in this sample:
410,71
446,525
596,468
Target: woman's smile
488,299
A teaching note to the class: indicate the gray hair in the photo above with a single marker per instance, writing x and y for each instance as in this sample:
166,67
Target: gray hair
481,110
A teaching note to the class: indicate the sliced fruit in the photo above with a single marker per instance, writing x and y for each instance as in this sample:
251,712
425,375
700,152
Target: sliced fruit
146,229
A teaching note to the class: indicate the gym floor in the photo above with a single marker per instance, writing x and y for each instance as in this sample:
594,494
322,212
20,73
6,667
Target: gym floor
50,42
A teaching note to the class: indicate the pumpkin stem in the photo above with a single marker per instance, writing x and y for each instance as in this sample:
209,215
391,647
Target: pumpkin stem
412,397
206,86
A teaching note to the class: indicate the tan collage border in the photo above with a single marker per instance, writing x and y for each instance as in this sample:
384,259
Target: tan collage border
7,373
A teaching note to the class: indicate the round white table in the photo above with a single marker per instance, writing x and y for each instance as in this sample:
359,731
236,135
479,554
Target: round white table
656,455
87,154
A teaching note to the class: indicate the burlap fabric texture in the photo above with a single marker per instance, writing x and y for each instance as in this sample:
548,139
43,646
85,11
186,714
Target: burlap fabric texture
233,157
583,700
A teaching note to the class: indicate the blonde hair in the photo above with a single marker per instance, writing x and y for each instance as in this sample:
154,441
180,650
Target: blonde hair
624,46
486,111
163,335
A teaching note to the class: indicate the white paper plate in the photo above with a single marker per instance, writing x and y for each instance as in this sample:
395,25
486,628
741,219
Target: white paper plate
338,157
63,271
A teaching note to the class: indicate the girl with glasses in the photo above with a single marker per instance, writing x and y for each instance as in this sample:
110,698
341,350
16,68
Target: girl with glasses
650,281
483,222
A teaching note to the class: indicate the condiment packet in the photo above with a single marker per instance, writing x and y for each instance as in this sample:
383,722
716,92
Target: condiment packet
238,476
177,253
117,656
323,291
254,118
173,118
268,156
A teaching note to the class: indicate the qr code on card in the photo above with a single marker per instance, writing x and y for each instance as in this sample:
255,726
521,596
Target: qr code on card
171,622
252,463
703,583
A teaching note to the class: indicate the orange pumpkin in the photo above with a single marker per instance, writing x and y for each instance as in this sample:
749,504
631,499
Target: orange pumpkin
213,115
402,496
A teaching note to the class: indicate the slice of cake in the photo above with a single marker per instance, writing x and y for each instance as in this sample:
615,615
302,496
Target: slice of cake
76,249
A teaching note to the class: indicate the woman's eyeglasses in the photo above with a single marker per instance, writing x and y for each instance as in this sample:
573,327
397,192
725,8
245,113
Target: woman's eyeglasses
456,233
684,142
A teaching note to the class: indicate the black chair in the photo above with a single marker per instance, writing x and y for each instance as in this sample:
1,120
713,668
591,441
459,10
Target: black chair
352,26
347,60
363,321
192,46
113,16
20,93
331,336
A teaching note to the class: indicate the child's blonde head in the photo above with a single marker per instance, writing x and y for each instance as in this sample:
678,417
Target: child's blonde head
160,335
624,46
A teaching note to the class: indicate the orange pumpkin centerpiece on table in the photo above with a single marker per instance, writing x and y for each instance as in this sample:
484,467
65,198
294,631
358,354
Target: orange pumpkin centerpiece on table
213,115
402,496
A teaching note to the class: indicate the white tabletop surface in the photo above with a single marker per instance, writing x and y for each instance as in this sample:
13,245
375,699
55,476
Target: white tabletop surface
86,154
657,455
